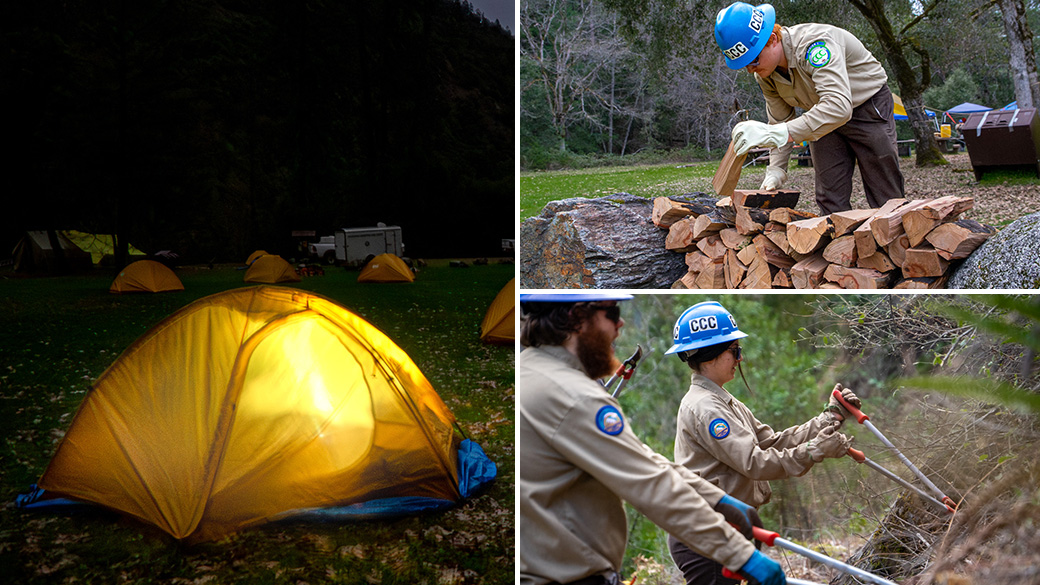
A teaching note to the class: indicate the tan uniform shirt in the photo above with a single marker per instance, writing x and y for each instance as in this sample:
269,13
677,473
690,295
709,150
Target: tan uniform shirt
829,73
718,438
578,460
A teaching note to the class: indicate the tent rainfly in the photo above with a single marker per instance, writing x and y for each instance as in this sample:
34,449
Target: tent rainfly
498,326
271,270
386,268
145,276
259,404
252,257
45,251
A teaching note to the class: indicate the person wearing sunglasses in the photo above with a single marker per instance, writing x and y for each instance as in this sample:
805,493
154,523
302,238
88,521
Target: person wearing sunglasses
578,459
842,88
718,437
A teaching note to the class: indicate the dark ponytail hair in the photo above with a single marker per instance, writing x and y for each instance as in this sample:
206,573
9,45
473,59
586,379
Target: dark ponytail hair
695,357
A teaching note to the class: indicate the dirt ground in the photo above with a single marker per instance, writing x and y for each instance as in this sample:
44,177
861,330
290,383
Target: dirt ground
996,205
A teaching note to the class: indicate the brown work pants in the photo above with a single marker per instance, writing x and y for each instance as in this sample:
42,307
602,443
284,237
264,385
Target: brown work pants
869,138
696,569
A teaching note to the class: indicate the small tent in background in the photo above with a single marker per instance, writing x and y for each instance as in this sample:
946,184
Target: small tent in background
386,268
252,257
48,251
271,270
498,324
257,404
98,245
145,276
967,108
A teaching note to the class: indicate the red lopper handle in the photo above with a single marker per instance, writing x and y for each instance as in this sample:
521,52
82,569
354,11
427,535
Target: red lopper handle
857,455
855,412
766,536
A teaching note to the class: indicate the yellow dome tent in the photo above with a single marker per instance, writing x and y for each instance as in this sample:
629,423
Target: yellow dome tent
145,276
254,256
386,268
271,270
258,404
497,326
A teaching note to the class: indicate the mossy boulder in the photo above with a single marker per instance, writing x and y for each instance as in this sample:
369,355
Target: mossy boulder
1008,260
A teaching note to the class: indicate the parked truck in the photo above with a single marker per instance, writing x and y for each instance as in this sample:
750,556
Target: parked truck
355,245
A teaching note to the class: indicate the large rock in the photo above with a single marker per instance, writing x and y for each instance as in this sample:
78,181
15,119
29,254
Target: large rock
607,242
1009,259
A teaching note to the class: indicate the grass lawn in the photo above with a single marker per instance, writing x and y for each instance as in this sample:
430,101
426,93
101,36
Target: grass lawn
537,189
58,334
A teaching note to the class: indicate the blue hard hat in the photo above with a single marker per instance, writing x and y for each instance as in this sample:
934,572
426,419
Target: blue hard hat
576,297
742,31
704,324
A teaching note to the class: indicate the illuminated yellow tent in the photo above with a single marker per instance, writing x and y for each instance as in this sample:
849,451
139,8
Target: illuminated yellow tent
145,276
98,245
497,326
254,256
271,270
258,404
386,268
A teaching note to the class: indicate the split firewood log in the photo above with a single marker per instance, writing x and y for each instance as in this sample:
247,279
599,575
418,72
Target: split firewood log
712,277
897,249
772,253
783,279
759,274
808,273
668,210
924,261
680,236
923,282
841,250
865,242
781,198
808,235
918,222
777,233
960,238
785,215
713,247
707,224
750,221
888,226
734,269
877,261
733,239
728,173
846,221
856,278
697,261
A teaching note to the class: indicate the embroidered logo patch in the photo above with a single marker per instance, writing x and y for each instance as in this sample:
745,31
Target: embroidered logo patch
719,428
818,54
609,420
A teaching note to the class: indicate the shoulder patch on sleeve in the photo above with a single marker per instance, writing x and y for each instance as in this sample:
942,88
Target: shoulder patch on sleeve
610,421
818,55
719,428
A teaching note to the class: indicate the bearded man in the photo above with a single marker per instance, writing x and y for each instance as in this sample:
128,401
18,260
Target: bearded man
578,460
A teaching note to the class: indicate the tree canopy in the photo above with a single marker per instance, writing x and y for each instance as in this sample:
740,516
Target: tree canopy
215,127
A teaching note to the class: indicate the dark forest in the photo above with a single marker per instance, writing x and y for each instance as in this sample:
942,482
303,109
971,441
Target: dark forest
215,127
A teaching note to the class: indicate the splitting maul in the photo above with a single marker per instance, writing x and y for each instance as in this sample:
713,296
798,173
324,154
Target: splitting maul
864,420
625,372
773,539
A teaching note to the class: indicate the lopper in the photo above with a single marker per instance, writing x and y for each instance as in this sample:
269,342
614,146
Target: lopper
943,501
625,372
770,538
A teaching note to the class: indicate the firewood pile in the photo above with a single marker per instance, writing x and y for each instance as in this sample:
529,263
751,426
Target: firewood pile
757,240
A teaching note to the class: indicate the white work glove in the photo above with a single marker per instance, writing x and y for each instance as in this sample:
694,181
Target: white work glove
828,443
837,411
775,178
749,134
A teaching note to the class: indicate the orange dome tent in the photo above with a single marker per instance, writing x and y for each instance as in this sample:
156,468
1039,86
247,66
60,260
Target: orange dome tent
271,270
252,257
498,326
146,276
257,404
386,268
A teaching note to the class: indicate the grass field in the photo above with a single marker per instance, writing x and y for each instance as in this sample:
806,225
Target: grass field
537,189
57,335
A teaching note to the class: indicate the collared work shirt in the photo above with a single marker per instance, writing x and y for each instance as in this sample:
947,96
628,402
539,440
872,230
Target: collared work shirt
829,73
718,438
577,461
